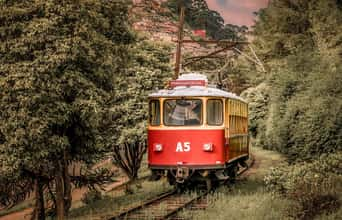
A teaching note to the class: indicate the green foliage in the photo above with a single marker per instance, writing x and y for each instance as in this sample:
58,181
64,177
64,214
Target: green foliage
91,197
58,63
300,42
314,186
232,73
148,70
258,99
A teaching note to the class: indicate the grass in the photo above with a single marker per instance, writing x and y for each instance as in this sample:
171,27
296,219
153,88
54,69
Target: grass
247,198
144,170
116,201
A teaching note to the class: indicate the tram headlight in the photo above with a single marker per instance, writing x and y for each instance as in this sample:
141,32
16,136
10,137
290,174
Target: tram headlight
158,147
208,147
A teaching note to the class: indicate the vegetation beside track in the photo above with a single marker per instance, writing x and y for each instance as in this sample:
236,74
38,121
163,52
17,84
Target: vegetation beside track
249,197
248,192
115,202
118,190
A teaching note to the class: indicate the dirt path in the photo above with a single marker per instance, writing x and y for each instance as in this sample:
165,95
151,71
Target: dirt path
263,160
23,214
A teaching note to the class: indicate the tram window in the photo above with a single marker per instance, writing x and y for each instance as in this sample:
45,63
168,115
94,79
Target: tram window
214,112
180,112
154,112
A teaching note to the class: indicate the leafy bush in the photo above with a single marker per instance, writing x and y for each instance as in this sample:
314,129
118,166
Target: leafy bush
91,197
258,100
313,186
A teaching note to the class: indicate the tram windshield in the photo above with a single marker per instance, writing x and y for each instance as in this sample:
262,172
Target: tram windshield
178,112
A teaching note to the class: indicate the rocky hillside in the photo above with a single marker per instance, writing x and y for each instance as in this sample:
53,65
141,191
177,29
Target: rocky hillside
155,19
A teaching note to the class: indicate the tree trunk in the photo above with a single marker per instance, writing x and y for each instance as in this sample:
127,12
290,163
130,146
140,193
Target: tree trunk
59,181
67,185
39,210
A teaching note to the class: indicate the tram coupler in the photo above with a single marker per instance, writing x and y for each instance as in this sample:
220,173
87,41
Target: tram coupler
182,174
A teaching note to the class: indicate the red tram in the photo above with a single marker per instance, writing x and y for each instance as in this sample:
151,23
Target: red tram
196,132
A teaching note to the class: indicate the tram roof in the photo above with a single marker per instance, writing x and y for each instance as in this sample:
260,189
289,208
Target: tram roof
195,91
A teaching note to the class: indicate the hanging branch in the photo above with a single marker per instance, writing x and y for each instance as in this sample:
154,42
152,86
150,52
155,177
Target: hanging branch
257,58
93,178
255,61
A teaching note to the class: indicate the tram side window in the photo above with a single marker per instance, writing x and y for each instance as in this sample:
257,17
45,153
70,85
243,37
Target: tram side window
231,117
214,112
154,113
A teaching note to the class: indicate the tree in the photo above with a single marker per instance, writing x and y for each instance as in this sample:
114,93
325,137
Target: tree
58,66
148,70
199,16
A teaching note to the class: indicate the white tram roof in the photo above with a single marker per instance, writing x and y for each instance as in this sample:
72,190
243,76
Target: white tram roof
181,91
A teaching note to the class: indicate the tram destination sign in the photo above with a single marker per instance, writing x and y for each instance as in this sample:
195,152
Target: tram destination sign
188,83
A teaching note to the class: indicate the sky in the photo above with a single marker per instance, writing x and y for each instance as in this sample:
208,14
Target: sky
239,12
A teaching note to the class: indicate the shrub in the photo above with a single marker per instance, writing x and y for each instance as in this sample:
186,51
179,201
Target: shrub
91,197
313,186
257,99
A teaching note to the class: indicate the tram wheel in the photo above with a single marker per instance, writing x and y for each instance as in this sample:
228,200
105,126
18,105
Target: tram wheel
232,173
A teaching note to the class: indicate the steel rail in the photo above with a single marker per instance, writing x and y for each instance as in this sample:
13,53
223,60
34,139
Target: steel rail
186,205
141,206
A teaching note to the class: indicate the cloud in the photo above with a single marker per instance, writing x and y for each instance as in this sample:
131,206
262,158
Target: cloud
239,12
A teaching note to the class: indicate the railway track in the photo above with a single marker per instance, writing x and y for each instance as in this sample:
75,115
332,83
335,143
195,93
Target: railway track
169,204
163,206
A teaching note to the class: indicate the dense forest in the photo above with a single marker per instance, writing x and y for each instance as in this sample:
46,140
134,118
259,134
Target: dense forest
295,108
299,113
74,79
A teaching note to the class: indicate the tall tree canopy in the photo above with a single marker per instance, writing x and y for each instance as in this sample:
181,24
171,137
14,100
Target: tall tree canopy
58,62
